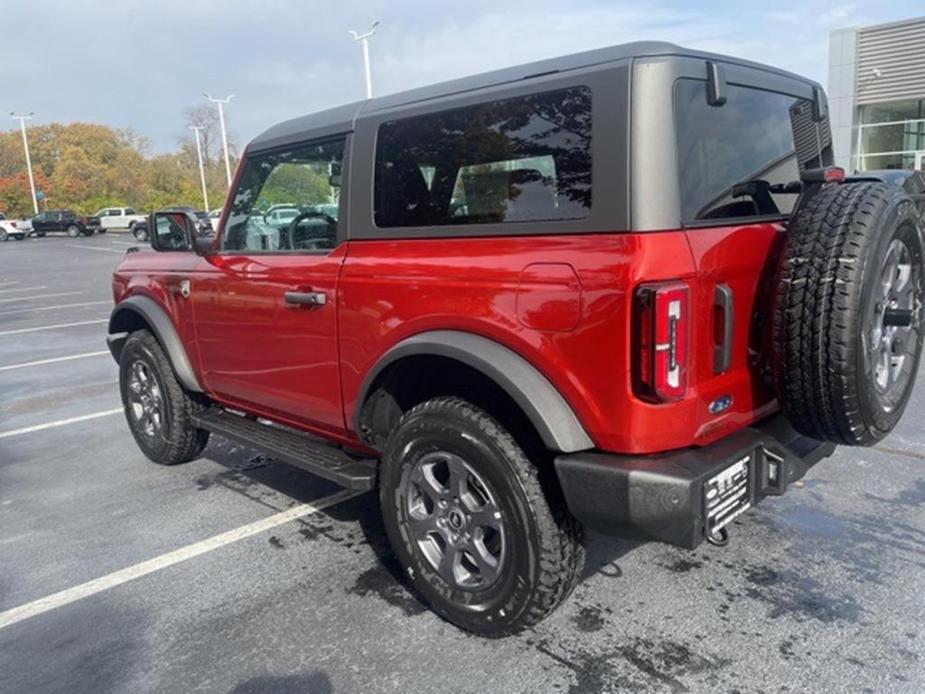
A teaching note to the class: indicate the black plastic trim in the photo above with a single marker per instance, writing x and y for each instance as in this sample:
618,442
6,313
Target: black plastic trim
163,329
549,412
722,352
662,495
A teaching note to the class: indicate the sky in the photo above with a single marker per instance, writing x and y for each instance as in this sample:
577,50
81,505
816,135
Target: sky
140,64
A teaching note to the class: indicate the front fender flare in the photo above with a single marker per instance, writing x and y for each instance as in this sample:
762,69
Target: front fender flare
551,415
162,327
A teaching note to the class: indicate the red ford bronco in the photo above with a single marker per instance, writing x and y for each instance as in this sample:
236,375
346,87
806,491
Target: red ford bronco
619,289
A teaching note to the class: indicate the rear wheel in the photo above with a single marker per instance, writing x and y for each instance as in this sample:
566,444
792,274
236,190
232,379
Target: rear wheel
157,408
140,233
848,321
73,231
478,528
3,235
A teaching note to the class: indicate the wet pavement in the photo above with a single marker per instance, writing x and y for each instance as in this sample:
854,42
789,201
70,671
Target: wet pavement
820,590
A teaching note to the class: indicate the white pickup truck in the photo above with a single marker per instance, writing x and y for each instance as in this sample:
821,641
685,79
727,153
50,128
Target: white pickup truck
118,218
14,228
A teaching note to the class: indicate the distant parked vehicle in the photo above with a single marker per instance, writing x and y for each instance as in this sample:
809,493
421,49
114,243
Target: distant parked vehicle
68,221
14,228
118,218
215,216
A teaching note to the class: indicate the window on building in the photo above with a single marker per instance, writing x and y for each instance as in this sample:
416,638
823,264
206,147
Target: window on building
891,135
526,159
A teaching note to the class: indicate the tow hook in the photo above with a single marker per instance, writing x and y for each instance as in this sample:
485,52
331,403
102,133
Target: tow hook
718,538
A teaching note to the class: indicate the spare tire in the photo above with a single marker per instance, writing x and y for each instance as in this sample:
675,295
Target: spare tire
847,325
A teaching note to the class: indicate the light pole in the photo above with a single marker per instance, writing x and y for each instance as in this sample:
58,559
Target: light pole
25,143
202,171
221,120
364,39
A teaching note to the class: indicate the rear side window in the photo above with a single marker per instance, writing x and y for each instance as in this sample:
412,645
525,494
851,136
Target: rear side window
733,158
525,159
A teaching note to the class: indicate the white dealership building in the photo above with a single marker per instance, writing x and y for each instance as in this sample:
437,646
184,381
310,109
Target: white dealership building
877,95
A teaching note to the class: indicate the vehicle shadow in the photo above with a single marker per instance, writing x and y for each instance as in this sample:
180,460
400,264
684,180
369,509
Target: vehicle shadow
251,474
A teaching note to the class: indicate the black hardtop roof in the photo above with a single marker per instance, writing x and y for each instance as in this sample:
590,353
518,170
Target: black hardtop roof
342,119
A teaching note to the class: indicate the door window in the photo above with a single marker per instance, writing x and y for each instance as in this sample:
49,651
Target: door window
287,201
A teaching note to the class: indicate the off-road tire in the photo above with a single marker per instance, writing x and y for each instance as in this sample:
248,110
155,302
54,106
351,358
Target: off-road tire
73,231
827,284
544,552
178,441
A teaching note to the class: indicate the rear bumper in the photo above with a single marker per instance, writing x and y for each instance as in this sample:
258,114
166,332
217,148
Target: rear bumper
665,495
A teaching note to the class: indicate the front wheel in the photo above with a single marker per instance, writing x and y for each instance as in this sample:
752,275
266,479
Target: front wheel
483,533
157,408
73,231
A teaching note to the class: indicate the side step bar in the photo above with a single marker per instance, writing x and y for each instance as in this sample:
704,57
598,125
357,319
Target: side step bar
292,447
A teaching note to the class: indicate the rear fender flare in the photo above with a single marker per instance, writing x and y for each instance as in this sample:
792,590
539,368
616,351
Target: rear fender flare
162,327
551,415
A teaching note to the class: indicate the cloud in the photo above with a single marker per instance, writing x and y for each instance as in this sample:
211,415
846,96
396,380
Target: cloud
141,63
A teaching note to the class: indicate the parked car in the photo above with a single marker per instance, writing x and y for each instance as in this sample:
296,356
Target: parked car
68,221
624,289
118,218
14,228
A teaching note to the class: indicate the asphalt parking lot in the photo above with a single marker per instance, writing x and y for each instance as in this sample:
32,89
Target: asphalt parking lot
224,575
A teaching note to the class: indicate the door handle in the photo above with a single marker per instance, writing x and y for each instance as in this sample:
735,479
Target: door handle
306,298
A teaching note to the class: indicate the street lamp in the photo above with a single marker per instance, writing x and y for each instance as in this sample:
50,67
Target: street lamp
221,119
25,143
202,171
364,39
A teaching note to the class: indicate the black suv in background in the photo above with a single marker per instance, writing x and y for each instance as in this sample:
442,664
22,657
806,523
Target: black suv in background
67,221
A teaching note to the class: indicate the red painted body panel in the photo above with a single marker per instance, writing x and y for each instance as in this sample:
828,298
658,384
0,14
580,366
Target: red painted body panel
561,302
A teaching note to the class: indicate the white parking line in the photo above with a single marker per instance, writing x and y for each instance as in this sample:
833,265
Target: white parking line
98,585
54,308
23,289
123,243
54,360
7,283
39,296
93,248
58,423
56,326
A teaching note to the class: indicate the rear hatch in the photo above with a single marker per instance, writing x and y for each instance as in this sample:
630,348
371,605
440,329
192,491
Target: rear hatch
737,162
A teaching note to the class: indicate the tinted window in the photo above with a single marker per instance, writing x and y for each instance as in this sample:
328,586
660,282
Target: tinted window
518,160
274,206
730,157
